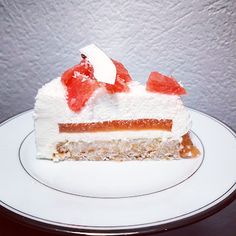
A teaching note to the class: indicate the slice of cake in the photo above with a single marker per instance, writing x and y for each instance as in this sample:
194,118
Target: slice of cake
95,111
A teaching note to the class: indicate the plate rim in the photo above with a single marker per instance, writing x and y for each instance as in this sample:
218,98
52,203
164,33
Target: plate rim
22,217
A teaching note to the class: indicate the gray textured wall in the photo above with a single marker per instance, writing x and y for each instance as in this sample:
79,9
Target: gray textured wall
192,40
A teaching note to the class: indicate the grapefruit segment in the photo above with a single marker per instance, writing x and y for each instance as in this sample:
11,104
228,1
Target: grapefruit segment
81,83
164,84
122,78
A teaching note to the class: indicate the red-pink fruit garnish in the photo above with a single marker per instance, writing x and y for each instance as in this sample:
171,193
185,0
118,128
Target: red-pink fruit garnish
83,68
79,91
122,78
164,84
80,84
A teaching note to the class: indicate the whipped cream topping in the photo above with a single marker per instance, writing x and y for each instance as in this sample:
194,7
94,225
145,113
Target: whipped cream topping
51,108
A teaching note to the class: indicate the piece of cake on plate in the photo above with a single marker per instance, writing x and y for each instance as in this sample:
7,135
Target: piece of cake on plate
95,111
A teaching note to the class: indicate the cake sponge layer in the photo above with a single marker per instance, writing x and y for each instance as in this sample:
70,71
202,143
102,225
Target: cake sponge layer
118,150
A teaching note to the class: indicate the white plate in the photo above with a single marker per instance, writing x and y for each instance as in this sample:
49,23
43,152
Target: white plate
117,197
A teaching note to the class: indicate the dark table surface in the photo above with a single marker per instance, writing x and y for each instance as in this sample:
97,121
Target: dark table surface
221,223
